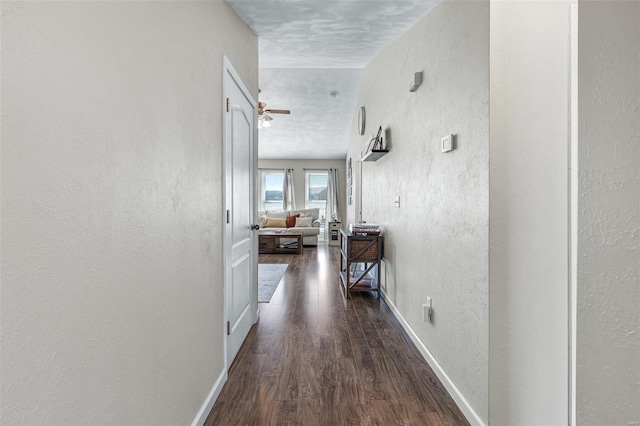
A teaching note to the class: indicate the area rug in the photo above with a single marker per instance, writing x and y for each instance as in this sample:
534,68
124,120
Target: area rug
269,276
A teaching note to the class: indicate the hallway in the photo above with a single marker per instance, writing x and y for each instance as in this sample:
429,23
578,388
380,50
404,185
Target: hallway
315,359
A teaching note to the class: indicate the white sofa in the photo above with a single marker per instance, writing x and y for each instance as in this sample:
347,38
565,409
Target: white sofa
309,234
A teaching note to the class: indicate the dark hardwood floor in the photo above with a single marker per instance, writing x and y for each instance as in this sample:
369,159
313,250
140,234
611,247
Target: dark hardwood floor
315,358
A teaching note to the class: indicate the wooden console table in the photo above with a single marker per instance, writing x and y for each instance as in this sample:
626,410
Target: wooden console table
355,249
271,242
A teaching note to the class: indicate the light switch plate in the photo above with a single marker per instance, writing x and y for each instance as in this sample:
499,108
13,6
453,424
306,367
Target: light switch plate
427,311
416,82
396,201
447,143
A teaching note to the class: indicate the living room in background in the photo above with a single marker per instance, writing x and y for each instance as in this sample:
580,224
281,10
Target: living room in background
271,190
300,168
315,193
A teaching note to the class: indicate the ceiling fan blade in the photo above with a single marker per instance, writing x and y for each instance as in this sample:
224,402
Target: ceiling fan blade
277,111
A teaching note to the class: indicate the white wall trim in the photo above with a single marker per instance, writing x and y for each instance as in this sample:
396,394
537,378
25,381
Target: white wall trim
202,415
453,390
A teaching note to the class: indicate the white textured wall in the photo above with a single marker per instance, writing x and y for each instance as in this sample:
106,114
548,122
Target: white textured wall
528,213
608,327
436,243
298,167
112,289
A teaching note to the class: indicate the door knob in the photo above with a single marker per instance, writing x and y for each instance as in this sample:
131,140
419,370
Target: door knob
255,227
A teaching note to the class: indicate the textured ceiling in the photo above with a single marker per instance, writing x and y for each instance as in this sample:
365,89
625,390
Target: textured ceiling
319,124
298,38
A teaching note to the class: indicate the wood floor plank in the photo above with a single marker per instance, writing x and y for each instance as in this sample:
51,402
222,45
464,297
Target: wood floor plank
315,358
288,386
309,379
286,413
217,415
308,412
350,386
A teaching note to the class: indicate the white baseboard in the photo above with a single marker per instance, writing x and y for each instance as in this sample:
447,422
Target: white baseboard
453,390
211,399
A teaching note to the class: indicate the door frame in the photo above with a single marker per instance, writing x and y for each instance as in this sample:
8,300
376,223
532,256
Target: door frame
573,217
230,72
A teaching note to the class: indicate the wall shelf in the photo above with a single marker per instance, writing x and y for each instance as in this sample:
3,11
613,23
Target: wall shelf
374,155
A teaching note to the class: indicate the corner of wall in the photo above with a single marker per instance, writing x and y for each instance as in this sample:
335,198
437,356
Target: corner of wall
208,403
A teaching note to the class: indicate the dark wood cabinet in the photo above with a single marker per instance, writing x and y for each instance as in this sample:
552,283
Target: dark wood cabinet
360,257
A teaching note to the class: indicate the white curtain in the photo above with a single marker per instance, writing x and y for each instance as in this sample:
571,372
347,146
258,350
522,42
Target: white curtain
289,192
261,206
333,204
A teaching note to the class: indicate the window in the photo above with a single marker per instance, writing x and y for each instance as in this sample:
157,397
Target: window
316,192
271,196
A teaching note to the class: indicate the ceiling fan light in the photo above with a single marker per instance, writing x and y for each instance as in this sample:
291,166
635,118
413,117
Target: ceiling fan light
265,124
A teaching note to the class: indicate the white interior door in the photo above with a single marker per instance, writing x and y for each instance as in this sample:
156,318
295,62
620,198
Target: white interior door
241,287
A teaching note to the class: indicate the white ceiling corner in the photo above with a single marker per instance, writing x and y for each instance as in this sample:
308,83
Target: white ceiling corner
309,48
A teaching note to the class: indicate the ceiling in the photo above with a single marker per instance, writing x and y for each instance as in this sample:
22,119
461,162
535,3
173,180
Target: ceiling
311,48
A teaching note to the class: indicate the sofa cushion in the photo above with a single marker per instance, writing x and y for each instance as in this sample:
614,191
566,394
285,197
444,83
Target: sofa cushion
276,223
307,231
303,222
314,213
291,220
278,215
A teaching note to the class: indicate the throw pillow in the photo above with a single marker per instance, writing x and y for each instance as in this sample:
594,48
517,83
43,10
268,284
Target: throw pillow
303,222
275,223
262,221
291,220
314,213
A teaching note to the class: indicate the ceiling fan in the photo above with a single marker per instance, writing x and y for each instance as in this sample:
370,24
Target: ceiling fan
263,114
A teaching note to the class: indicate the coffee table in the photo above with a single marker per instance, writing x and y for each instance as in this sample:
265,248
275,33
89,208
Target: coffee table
271,242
